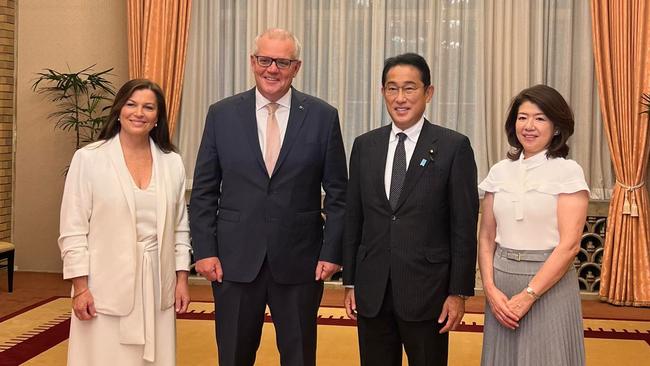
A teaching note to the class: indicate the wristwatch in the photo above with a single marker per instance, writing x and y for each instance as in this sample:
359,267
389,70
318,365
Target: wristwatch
464,297
531,292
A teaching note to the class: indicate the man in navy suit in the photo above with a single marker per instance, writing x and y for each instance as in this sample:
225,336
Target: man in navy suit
409,247
258,231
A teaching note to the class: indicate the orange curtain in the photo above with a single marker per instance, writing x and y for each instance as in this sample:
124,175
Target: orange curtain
621,37
158,31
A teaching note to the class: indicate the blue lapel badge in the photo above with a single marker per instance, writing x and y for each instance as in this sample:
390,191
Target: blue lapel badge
423,162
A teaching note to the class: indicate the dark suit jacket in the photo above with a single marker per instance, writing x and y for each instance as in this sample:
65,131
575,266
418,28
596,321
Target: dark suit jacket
427,246
239,214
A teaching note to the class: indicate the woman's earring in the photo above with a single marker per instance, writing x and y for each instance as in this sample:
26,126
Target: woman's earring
556,133
155,125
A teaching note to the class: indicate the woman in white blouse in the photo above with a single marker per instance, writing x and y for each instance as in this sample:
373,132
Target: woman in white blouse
124,236
534,211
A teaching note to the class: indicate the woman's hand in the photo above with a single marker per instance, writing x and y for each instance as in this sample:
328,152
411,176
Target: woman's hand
521,303
499,305
182,294
83,304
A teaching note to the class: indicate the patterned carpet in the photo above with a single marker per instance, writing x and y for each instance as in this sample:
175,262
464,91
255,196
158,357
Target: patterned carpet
37,335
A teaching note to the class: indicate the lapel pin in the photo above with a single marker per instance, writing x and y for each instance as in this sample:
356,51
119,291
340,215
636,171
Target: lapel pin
423,162
432,154
300,107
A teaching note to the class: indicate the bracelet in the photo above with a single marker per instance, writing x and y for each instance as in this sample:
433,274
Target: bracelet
80,293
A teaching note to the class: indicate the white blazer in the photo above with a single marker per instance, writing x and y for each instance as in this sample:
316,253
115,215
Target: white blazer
97,228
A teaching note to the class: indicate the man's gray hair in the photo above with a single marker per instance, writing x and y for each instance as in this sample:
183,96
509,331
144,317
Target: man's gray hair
282,34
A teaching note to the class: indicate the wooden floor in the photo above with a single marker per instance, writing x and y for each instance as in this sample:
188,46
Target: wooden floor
32,287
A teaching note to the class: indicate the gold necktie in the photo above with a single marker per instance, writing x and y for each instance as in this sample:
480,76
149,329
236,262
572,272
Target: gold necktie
272,148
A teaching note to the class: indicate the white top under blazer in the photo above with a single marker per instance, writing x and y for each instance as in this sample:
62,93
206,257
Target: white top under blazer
525,199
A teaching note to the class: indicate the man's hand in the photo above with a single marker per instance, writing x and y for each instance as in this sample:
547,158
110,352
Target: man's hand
325,269
453,309
350,303
210,268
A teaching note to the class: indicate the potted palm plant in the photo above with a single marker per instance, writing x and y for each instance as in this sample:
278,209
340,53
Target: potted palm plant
82,99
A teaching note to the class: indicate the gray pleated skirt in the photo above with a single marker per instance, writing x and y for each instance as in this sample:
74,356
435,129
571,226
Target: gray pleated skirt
550,333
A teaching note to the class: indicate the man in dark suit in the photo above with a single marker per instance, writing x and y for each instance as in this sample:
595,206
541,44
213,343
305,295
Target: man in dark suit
409,247
255,210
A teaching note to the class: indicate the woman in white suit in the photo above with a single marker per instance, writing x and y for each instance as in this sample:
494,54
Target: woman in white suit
125,237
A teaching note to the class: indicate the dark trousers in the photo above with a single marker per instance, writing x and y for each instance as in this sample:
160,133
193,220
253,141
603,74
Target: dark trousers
239,317
381,339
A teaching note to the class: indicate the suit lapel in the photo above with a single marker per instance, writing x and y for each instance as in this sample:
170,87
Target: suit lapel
248,112
380,151
297,114
123,175
160,179
421,155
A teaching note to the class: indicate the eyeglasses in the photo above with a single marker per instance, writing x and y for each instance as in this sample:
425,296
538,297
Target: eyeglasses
393,90
281,63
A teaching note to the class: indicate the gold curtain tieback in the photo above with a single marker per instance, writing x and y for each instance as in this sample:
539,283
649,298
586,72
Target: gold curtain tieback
629,200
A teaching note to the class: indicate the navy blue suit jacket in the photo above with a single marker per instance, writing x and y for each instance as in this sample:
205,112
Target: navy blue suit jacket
241,215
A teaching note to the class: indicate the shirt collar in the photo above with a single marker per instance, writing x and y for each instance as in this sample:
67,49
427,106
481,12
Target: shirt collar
533,161
261,101
412,133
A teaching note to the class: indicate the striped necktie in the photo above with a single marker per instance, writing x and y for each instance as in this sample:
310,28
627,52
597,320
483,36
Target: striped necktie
399,171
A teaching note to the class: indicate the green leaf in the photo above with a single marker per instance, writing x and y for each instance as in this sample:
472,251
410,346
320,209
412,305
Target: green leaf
81,99
645,101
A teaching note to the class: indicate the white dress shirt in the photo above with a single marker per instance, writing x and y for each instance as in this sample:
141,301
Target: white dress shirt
262,113
525,199
412,134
